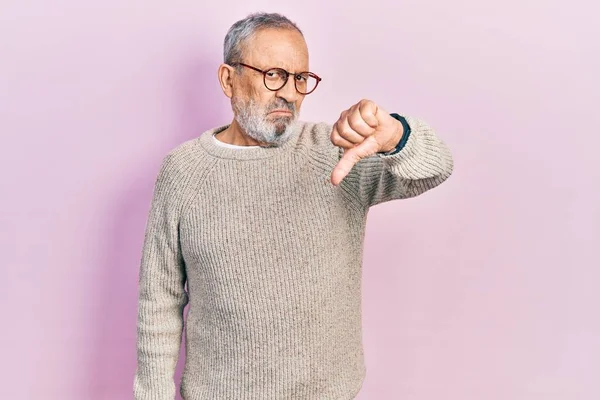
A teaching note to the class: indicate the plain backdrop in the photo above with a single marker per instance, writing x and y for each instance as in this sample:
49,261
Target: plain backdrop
483,288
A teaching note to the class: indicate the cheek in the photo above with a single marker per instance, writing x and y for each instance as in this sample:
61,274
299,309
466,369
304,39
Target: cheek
265,99
246,90
261,96
239,94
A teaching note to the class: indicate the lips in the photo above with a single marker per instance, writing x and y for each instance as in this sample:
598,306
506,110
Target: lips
281,111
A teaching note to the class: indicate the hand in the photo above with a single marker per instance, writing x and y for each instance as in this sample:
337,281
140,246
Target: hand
363,130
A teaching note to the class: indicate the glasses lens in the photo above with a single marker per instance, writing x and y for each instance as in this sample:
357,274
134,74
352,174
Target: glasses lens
305,82
275,78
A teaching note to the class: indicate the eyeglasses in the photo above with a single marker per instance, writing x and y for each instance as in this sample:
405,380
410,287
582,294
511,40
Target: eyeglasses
276,78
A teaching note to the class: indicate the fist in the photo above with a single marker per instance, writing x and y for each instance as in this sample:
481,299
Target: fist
363,130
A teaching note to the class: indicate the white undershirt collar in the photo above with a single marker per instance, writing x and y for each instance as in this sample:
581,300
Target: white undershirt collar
231,146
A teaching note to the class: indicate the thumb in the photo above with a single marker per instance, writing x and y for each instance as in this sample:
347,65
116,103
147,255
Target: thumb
350,158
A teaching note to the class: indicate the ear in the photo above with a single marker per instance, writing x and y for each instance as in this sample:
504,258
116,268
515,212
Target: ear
226,75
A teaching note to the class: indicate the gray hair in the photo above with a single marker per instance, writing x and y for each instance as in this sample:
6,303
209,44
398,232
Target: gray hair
244,29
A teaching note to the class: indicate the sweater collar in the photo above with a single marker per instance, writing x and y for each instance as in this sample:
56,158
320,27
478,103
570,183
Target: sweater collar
208,143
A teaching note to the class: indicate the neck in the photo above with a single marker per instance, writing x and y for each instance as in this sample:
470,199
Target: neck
234,134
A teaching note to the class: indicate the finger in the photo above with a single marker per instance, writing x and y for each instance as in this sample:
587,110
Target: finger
339,141
351,157
346,132
344,165
359,125
343,143
368,147
368,111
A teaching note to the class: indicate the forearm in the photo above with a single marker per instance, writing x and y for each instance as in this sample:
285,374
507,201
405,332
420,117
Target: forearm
159,332
423,163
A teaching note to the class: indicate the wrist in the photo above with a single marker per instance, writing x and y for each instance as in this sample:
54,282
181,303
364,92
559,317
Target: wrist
401,137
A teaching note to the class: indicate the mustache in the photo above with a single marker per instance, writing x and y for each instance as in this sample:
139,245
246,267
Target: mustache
282,104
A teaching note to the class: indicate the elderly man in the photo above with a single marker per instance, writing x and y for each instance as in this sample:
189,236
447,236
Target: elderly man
264,220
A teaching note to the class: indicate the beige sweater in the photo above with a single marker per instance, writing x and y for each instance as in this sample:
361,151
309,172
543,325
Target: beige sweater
272,253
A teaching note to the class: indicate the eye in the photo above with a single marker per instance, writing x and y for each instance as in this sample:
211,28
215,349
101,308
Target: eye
275,74
301,77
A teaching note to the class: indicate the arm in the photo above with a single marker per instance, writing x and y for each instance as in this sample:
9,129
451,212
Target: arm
162,296
421,164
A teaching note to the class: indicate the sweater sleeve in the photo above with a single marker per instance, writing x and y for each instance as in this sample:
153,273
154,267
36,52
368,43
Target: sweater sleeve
162,296
422,164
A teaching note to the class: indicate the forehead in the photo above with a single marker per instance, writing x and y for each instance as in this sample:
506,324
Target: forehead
283,48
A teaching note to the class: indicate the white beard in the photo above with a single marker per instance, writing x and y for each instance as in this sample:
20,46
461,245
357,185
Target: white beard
253,120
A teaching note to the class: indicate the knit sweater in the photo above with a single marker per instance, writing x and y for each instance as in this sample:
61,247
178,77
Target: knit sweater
271,253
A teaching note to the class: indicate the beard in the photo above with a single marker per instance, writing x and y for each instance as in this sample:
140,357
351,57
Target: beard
254,120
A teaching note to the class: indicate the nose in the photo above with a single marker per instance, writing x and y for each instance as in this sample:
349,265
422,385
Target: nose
288,92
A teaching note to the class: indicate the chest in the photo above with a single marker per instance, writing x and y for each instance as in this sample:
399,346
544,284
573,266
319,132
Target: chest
266,211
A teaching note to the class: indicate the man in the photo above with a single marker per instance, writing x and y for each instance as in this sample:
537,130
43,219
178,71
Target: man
264,220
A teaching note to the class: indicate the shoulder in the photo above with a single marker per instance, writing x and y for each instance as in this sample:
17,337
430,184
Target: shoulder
316,136
181,162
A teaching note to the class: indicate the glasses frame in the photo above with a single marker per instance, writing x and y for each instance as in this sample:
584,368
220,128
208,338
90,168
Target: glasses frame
287,77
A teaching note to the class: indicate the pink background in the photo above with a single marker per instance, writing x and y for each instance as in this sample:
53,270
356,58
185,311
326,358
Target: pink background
494,292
